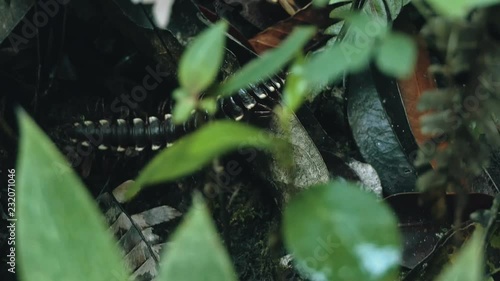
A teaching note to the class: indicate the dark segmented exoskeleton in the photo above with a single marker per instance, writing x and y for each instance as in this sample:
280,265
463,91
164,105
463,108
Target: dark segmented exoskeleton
159,131
121,134
257,99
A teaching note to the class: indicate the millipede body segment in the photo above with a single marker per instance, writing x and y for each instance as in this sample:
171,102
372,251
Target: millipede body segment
160,131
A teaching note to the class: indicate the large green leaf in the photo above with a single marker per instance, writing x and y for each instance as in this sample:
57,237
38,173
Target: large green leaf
337,232
459,8
196,252
201,61
61,235
468,266
396,55
267,65
194,151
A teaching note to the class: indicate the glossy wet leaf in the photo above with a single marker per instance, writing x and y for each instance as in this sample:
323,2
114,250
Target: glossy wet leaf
338,232
200,63
195,251
377,141
396,55
468,265
270,63
61,234
459,8
192,152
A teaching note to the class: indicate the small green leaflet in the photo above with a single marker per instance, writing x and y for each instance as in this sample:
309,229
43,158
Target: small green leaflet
200,63
296,87
184,105
267,65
